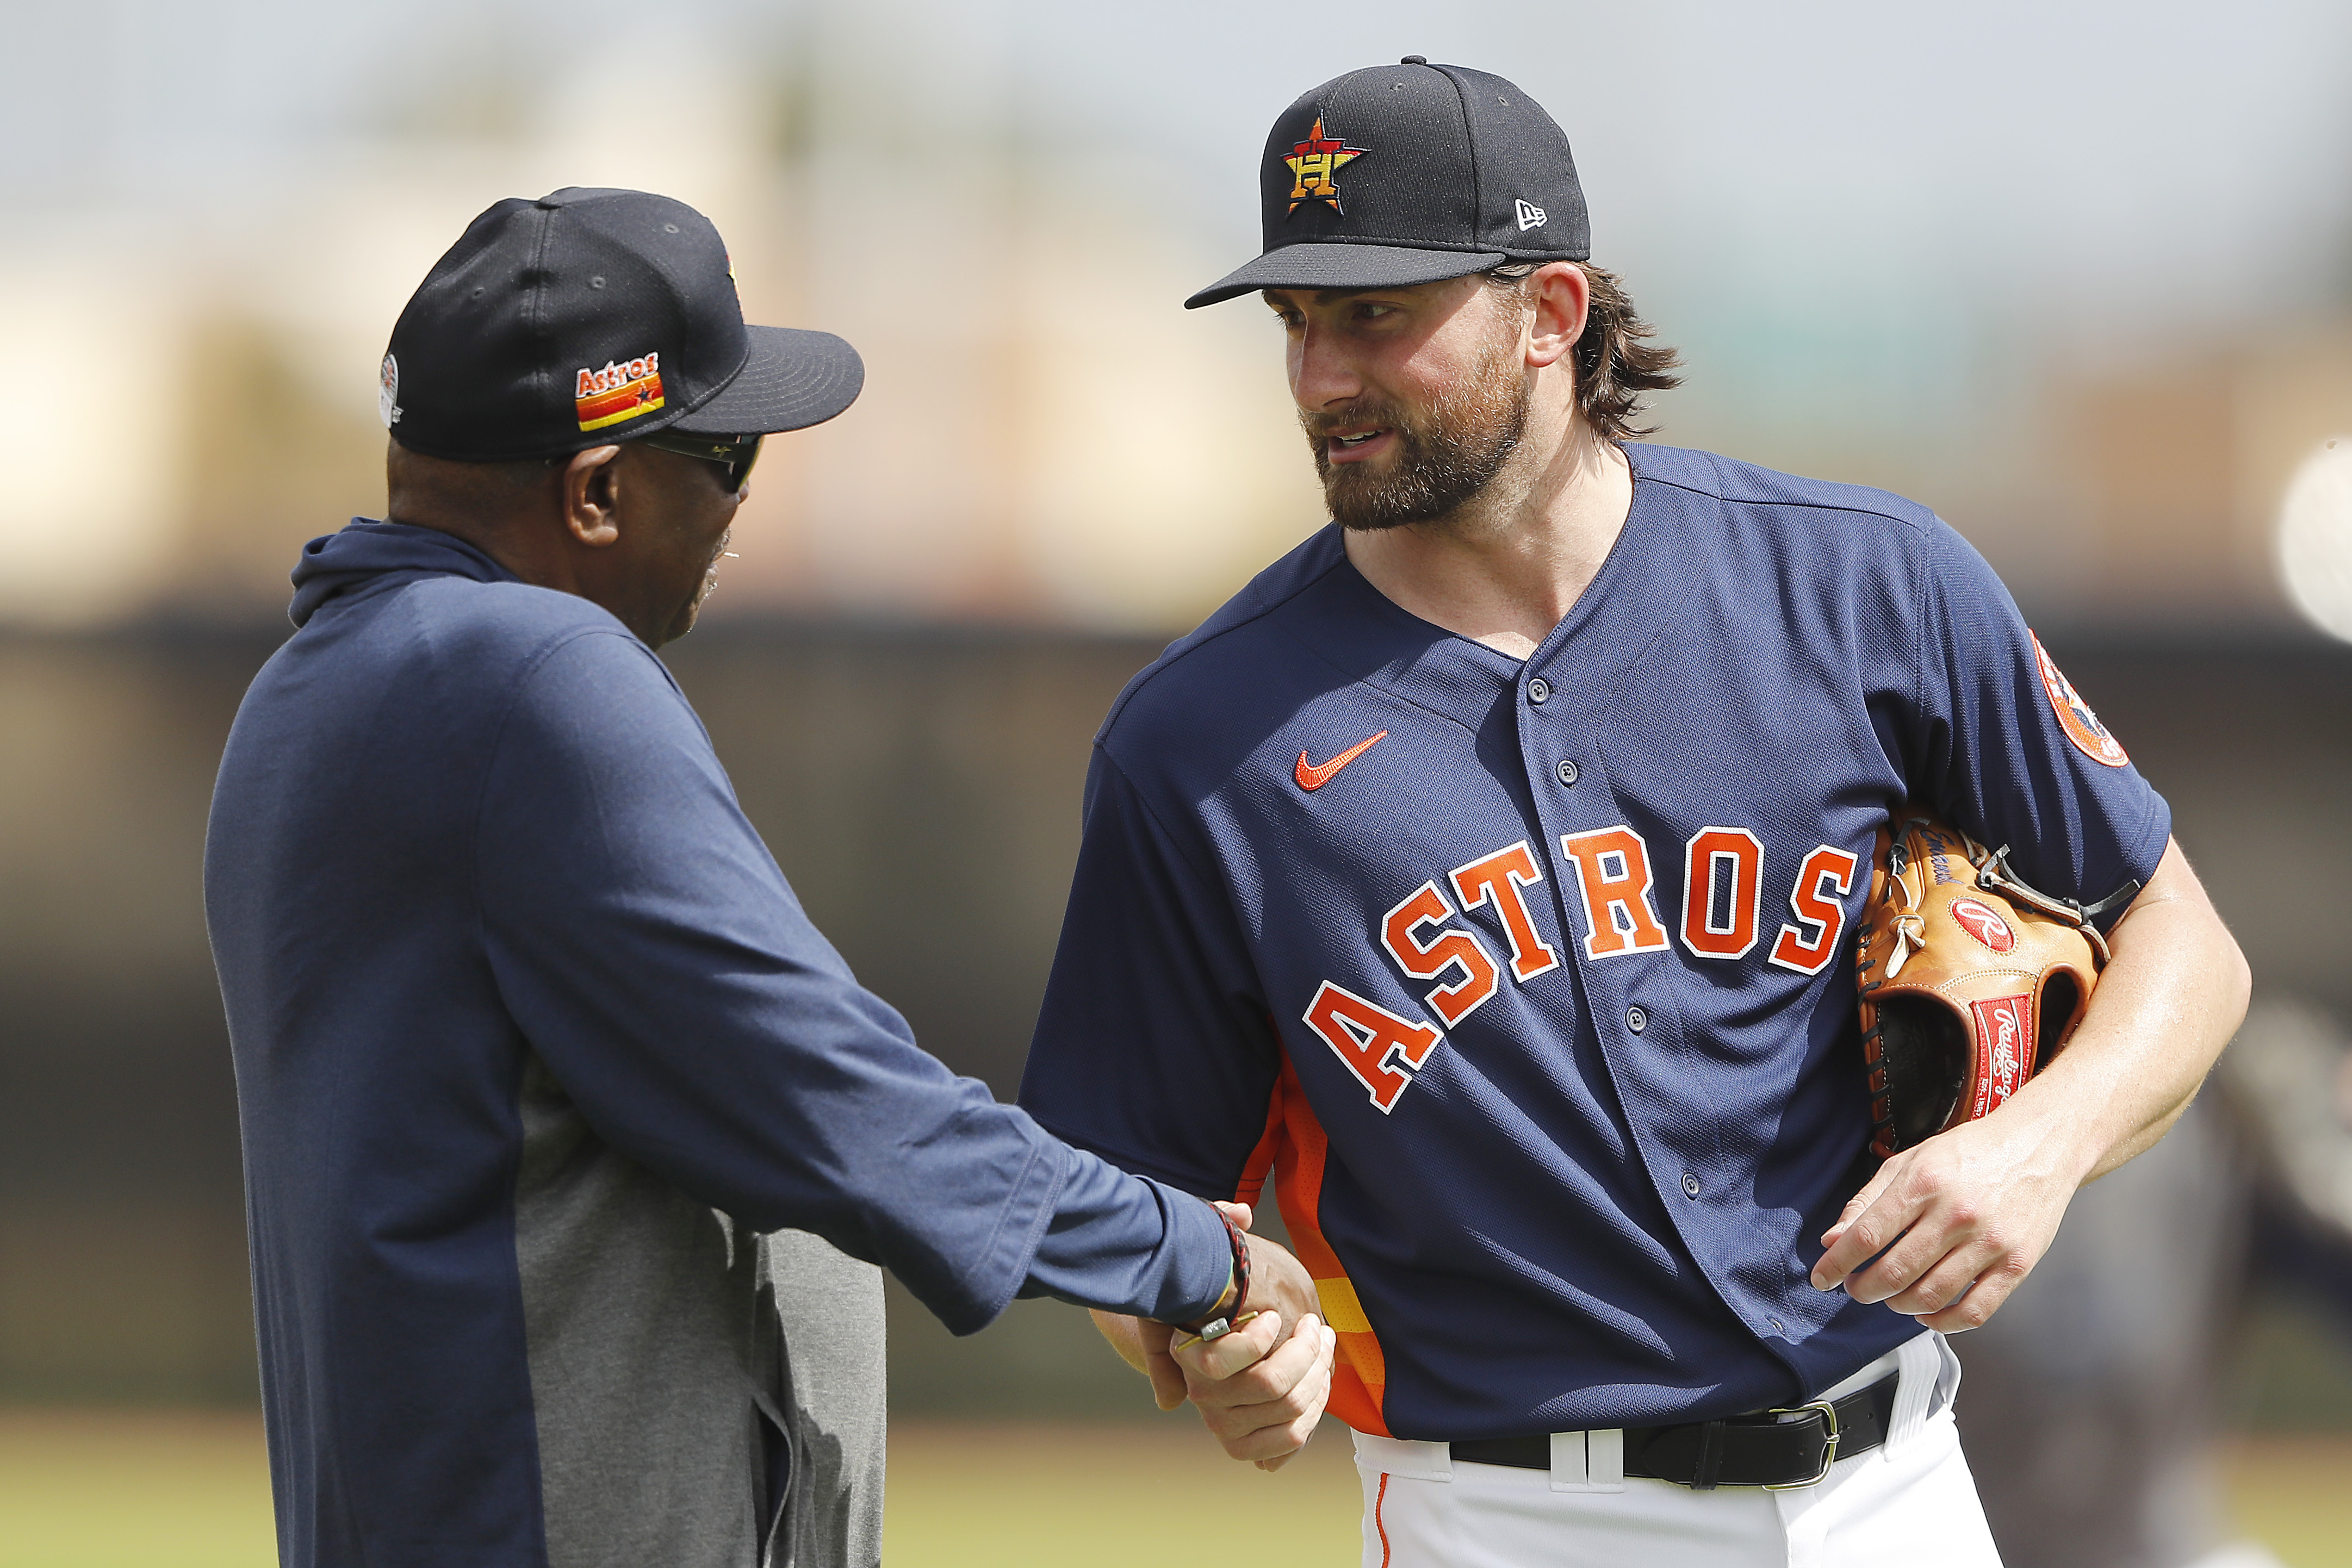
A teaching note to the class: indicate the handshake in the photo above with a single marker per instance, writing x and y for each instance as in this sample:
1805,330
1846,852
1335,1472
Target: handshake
1260,1387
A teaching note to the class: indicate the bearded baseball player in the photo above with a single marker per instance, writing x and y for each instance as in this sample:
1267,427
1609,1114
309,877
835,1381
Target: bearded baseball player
1489,875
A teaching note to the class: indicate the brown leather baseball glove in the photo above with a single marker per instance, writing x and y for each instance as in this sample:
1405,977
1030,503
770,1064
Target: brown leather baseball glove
1970,980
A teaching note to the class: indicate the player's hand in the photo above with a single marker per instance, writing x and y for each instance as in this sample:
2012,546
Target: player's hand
1957,1222
1252,1390
1279,1282
1259,1390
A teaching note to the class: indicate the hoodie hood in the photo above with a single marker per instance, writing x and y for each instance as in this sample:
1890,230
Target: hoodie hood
366,550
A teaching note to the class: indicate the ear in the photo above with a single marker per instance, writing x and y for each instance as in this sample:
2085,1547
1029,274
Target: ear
1562,296
591,496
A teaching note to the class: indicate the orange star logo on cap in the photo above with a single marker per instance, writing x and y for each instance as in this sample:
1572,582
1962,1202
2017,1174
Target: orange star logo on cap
1314,162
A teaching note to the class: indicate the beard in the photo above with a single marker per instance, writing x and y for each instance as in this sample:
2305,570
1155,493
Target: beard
1443,457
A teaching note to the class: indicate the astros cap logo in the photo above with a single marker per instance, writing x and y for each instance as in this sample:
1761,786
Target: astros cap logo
1313,163
618,391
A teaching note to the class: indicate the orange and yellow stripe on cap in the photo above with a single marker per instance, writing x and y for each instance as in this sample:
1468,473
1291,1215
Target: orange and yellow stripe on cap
623,389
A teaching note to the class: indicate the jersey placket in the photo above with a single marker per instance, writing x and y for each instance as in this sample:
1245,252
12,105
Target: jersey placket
1564,696
1626,996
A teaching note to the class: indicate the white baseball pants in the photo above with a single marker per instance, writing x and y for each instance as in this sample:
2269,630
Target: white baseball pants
1910,1501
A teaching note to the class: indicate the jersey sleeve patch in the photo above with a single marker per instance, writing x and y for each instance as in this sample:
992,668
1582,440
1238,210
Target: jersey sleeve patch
2074,716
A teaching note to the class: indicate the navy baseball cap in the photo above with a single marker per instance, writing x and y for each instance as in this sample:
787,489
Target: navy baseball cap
590,317
1410,173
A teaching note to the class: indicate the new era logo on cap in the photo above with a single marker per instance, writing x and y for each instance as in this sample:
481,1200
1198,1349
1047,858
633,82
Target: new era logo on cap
1410,173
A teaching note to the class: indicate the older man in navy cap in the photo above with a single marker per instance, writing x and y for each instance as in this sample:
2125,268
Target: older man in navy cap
536,1054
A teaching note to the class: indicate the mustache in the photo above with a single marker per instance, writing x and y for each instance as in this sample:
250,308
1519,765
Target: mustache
1322,425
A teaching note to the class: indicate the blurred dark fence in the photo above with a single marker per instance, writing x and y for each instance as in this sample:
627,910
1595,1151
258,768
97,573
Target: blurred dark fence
921,789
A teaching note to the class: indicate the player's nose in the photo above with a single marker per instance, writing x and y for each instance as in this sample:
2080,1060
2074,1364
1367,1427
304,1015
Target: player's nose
1322,372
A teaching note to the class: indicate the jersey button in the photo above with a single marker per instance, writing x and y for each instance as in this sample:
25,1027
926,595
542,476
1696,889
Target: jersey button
1636,1019
1538,691
1567,771
1690,1185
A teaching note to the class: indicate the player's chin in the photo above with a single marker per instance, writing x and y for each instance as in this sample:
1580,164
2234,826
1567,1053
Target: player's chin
1366,504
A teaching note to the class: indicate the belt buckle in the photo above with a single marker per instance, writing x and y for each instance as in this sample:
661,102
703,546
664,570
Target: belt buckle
1829,1450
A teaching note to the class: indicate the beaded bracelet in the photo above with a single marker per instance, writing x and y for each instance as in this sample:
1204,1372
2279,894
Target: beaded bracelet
1222,1323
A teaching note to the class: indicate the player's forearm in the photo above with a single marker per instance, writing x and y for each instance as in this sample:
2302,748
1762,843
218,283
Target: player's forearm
1946,1228
2168,1002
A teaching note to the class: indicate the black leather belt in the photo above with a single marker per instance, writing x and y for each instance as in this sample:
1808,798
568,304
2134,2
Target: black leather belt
1791,1447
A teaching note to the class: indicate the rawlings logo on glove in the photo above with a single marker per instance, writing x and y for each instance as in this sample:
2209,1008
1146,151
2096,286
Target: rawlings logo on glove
1970,980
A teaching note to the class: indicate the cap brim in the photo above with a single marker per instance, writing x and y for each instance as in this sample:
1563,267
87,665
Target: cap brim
1346,266
792,379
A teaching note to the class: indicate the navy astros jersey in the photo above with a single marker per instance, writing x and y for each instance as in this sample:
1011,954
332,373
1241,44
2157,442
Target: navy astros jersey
1531,984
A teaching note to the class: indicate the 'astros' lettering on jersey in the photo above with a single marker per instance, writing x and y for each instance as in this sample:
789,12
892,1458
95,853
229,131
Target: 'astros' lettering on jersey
1530,985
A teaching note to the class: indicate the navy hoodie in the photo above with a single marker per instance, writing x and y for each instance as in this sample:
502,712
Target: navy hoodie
532,1039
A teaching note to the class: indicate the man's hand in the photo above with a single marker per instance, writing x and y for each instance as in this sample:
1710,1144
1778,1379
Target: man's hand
1261,1392
1963,1218
1261,1389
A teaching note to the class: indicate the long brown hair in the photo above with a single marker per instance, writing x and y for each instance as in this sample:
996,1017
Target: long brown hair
1615,361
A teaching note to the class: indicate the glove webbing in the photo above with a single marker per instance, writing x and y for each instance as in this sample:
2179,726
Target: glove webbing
1995,875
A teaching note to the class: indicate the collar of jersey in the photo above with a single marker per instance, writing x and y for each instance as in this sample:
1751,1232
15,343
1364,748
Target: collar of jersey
1633,603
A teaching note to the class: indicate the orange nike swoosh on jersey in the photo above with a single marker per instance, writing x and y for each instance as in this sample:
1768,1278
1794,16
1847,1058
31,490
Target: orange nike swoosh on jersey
1312,776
